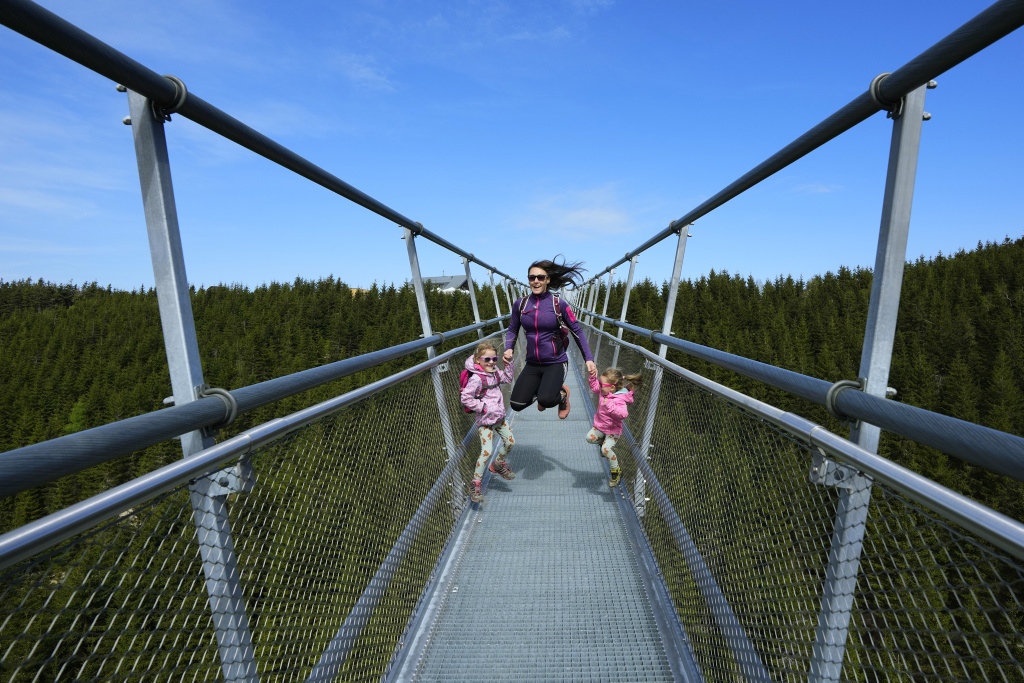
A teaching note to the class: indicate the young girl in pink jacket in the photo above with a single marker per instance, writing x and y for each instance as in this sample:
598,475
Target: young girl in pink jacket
482,395
612,408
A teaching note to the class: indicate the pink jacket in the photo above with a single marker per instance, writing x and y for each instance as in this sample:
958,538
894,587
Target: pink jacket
482,394
611,409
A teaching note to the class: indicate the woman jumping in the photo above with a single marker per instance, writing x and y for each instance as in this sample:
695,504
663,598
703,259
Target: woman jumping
542,316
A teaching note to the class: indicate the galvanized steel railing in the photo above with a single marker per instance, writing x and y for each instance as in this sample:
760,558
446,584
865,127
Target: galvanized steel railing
351,505
738,500
902,95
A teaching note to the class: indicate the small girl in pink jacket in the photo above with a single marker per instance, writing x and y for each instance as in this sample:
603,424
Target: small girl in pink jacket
482,395
614,397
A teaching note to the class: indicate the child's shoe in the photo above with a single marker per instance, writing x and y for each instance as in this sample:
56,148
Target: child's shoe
475,494
563,405
540,408
615,478
501,468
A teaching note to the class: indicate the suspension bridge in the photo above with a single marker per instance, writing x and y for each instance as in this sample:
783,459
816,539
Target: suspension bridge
336,543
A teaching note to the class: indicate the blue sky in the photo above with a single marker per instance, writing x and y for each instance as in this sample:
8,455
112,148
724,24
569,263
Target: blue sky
516,130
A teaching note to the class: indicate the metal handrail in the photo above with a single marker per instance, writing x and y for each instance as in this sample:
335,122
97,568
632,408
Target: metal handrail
29,466
993,23
998,529
42,534
50,30
982,446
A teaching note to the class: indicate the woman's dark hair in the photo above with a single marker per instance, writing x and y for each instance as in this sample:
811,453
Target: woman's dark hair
560,274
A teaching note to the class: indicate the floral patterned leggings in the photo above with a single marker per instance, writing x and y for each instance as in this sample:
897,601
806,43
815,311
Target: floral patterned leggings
487,444
607,448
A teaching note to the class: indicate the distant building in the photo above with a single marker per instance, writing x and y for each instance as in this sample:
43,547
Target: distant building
448,283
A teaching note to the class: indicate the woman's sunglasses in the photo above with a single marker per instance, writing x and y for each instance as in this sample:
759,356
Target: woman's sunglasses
488,359
538,278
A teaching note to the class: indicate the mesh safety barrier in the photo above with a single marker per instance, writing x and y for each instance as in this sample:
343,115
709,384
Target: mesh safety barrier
128,600
932,601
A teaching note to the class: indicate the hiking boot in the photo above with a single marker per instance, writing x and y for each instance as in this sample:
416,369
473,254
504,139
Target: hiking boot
475,494
563,405
501,468
615,478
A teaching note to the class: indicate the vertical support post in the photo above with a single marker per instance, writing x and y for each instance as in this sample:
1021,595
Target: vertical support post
639,485
472,297
876,357
435,372
604,312
505,284
625,305
497,306
595,288
209,509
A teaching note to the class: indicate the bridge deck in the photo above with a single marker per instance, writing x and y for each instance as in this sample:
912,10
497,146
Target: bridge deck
545,584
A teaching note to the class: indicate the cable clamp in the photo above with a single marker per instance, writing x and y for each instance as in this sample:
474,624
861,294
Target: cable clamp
230,405
162,113
894,109
833,391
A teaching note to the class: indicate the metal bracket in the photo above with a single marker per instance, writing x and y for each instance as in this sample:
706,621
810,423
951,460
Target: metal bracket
828,472
833,391
442,367
230,405
650,365
239,478
894,109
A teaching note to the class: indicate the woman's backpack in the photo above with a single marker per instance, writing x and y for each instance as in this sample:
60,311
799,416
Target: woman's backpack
464,380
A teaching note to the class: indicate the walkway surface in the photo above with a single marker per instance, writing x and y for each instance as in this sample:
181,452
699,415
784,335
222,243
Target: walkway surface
545,586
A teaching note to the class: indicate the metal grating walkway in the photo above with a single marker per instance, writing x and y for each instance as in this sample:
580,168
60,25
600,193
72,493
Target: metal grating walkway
545,585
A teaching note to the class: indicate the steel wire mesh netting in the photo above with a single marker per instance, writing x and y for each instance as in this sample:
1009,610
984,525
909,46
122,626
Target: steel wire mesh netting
932,602
128,599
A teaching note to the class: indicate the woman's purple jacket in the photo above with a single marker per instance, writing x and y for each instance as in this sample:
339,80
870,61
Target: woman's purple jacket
540,326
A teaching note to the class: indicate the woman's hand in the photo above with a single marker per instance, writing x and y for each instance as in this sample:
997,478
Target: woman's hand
507,356
592,368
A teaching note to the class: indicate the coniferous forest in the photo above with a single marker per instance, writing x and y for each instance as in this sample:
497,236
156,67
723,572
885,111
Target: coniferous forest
74,357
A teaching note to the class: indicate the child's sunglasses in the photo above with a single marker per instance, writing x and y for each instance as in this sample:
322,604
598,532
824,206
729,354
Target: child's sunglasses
488,359
539,278
607,385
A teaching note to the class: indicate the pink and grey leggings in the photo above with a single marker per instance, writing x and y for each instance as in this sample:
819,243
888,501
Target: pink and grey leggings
608,447
487,445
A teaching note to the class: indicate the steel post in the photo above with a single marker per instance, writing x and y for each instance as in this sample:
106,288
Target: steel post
854,501
505,284
472,297
435,372
497,306
625,305
604,312
639,486
209,503
595,289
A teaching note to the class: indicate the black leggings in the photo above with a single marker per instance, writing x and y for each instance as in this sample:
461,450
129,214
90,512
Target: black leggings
541,381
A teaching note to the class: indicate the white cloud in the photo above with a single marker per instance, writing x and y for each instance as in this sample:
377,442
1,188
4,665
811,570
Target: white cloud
362,71
591,6
46,202
15,245
579,214
816,188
